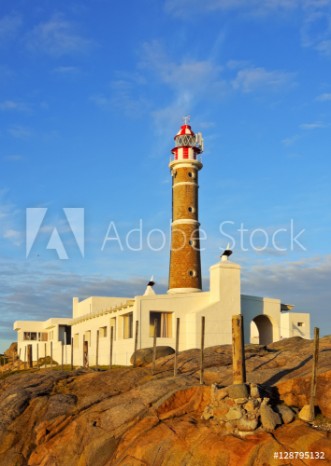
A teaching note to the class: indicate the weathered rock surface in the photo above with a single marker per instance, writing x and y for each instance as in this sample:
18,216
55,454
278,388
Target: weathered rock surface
11,352
145,356
131,417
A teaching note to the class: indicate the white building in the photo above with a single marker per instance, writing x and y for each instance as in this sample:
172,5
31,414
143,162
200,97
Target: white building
98,321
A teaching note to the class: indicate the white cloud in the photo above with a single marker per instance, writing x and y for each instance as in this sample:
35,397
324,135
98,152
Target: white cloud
289,141
66,70
124,95
57,37
324,97
185,8
324,47
12,105
9,27
254,79
8,220
19,132
185,74
14,236
316,27
313,125
187,81
14,157
38,290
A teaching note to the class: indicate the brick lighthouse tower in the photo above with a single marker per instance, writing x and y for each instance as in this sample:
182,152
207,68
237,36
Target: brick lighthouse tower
185,264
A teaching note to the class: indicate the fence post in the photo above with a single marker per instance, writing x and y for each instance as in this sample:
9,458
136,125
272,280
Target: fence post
24,357
238,350
111,346
314,375
97,351
154,345
177,346
85,352
38,356
51,351
29,350
202,348
72,354
135,344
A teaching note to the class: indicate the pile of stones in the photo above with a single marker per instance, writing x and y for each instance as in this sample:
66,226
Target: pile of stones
242,409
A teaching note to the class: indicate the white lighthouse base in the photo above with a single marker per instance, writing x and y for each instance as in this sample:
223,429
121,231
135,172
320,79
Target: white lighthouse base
184,290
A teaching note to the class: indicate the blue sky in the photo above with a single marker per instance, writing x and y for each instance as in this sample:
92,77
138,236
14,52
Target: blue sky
91,95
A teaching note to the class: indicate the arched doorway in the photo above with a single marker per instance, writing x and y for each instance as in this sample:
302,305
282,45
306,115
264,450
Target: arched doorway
261,330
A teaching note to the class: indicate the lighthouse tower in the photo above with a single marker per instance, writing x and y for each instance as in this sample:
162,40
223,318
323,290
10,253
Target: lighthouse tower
185,264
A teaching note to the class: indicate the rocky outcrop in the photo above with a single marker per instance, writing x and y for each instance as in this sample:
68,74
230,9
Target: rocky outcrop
296,392
127,416
11,352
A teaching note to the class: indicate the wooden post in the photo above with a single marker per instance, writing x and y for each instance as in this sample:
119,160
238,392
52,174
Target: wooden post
97,351
314,374
154,345
202,348
45,353
111,346
72,354
24,357
177,346
62,355
135,344
238,350
85,352
29,351
51,351
38,356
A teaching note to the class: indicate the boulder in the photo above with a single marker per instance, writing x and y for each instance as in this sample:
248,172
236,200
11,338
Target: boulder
286,413
305,414
269,418
246,424
144,356
238,391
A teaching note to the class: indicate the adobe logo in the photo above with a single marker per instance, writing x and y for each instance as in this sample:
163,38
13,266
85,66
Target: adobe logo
75,221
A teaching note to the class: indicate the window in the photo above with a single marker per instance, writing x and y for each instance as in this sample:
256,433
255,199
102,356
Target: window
301,324
30,336
65,334
103,332
43,336
128,325
163,322
192,273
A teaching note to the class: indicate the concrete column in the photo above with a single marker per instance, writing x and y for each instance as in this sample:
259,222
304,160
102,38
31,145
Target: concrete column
238,350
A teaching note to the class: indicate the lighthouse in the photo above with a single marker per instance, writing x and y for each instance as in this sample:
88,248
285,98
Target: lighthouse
185,263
